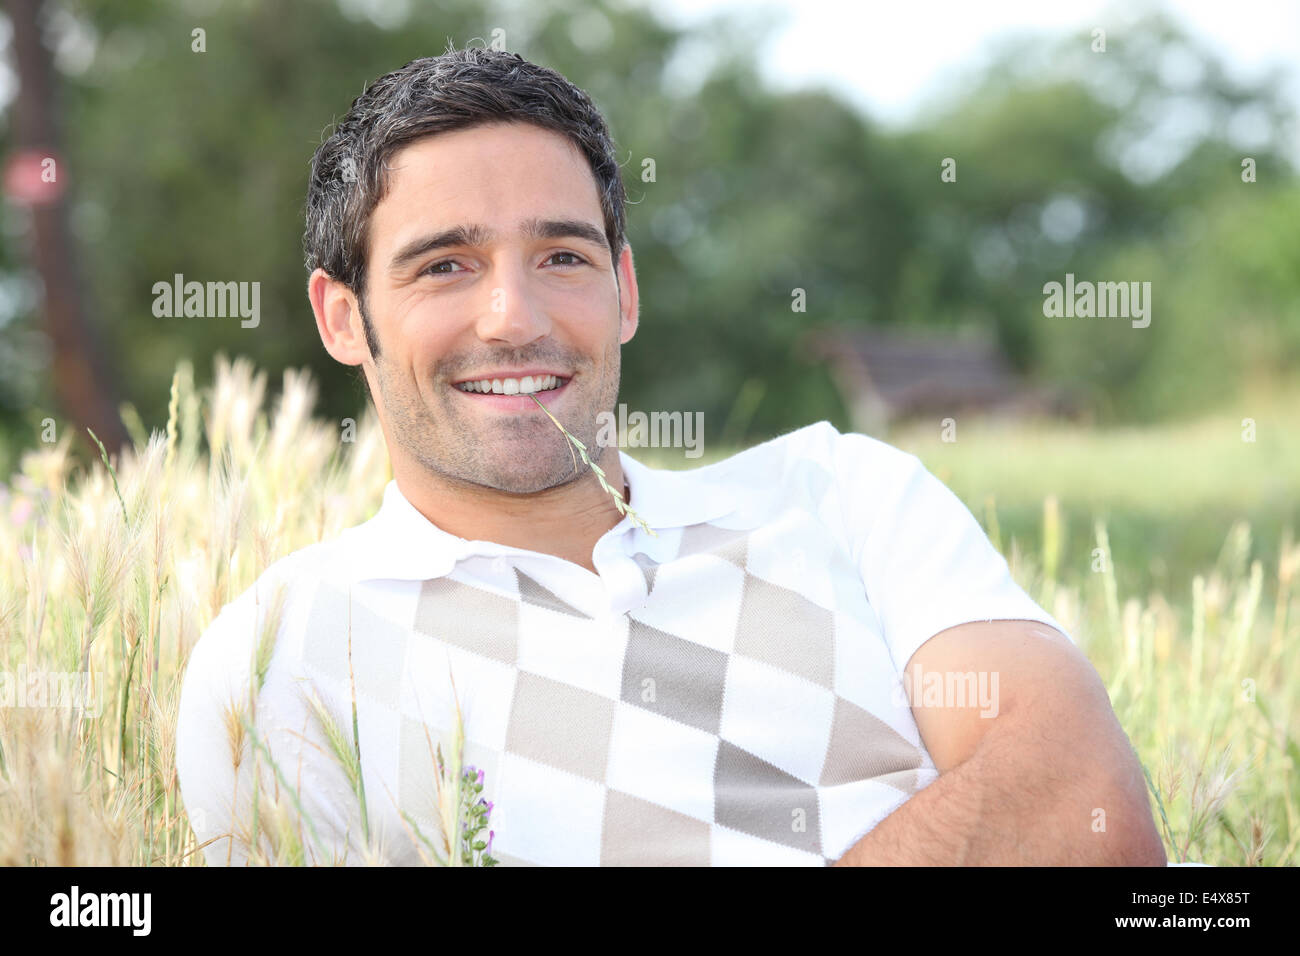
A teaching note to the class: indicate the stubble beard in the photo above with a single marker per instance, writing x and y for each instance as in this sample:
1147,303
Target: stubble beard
523,453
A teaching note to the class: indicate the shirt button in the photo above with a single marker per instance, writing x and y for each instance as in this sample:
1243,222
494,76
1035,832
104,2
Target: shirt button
624,583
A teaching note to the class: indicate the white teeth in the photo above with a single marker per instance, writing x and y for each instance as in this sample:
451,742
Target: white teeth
527,385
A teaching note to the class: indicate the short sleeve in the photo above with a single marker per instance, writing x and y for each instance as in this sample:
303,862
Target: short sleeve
215,687
216,775
926,563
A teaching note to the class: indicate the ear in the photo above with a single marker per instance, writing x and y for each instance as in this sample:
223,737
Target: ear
628,302
338,319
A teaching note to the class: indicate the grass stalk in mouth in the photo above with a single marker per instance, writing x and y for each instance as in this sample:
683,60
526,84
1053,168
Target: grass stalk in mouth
619,502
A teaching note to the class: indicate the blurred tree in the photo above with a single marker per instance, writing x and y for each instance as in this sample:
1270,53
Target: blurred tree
83,382
1113,166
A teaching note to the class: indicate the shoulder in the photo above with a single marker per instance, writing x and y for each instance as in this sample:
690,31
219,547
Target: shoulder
847,475
223,657
248,638
824,445
245,665
813,442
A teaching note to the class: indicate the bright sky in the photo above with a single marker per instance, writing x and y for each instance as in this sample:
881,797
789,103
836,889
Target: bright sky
899,52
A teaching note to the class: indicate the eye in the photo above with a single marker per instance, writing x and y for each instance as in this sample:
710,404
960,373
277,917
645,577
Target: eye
572,255
436,268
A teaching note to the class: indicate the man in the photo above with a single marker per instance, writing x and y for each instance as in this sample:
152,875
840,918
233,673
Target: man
752,683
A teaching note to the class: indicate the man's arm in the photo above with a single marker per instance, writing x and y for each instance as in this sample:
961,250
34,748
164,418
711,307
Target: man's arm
1045,777
307,800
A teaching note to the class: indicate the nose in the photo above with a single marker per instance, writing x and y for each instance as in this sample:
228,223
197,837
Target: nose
509,314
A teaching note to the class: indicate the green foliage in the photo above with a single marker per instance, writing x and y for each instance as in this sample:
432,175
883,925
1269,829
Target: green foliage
196,163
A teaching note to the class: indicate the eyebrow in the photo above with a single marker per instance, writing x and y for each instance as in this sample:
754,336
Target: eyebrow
478,235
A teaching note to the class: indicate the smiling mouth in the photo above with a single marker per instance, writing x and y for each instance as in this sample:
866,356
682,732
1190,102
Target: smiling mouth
526,385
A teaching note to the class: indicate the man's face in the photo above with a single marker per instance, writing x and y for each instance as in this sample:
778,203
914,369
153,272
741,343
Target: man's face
500,300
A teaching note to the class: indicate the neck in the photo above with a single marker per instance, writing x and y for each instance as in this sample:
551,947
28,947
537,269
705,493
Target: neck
565,521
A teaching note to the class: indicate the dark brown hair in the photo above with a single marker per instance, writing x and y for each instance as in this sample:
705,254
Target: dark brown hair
457,90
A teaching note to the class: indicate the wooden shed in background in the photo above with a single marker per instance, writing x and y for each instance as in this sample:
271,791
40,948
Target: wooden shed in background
888,375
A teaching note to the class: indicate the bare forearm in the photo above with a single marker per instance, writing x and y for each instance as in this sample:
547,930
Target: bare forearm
940,826
1016,803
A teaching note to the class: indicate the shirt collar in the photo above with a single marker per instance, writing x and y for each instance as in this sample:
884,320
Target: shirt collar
400,543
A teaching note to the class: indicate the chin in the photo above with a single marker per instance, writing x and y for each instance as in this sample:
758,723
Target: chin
532,482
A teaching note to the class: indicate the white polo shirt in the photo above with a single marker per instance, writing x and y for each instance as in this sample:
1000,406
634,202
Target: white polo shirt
726,693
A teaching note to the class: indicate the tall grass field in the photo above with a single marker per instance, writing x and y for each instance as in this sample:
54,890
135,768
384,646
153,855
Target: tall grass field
1179,585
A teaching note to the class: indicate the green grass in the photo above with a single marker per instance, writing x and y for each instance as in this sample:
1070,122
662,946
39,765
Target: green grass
1169,494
